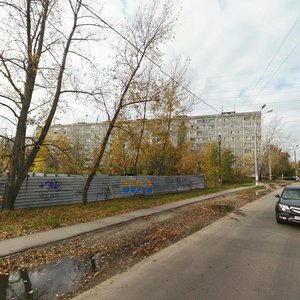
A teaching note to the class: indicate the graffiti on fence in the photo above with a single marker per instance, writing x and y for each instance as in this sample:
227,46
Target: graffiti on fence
50,189
46,191
78,192
134,186
104,192
2,184
52,185
183,184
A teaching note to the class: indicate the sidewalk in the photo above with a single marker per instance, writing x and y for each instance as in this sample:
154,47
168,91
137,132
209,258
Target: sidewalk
19,244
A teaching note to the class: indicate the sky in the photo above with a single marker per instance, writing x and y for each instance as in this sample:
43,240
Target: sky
243,54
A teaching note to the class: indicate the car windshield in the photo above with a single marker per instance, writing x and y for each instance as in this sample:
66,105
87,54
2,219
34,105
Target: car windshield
291,194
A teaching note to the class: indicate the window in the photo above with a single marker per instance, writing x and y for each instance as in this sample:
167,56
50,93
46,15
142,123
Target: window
291,194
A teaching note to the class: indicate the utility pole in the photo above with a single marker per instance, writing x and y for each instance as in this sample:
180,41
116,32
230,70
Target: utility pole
270,163
295,156
255,148
219,158
255,156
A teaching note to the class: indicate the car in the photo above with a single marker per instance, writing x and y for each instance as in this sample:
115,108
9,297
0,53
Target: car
287,208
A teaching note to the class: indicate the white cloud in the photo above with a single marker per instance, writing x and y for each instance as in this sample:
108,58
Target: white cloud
233,37
230,43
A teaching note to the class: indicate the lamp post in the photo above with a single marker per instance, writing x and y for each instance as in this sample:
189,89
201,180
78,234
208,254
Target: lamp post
270,164
255,156
255,147
269,152
296,169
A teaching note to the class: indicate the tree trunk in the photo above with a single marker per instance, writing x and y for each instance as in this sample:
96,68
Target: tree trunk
110,128
97,162
19,165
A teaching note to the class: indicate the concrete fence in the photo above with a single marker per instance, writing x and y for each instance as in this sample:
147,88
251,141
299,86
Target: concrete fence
50,190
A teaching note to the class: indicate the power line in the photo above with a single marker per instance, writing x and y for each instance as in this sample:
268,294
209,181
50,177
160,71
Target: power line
287,57
291,85
243,74
150,59
163,72
274,55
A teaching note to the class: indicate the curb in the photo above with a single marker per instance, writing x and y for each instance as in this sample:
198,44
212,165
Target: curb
43,238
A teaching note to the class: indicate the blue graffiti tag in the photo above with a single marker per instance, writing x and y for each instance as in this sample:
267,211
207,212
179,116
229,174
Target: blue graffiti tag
52,185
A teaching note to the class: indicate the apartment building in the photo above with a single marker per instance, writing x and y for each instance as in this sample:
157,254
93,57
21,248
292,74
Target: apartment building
87,132
233,130
237,131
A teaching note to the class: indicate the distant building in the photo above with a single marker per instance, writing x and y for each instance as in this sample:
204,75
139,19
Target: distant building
87,132
87,135
232,130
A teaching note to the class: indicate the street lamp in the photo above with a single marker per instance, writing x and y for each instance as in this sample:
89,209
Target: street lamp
296,169
269,151
255,156
255,149
255,146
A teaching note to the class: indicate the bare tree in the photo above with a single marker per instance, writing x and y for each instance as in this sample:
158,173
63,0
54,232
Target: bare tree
33,65
273,138
139,41
146,92
174,102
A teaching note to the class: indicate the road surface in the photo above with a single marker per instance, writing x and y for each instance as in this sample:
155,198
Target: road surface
245,255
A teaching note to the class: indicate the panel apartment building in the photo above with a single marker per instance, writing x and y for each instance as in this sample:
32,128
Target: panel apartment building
234,130
229,129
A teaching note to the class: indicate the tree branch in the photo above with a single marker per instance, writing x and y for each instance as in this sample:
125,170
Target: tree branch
7,75
7,119
7,106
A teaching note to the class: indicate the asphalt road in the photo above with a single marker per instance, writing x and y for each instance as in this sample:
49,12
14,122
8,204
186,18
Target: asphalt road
245,255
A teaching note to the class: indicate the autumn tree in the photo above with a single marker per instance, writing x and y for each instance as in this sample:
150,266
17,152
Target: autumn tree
147,90
227,163
129,140
243,167
168,131
5,154
273,139
280,163
118,160
190,161
34,62
61,154
217,163
151,26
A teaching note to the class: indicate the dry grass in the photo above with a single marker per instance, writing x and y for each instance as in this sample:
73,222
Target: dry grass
26,221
